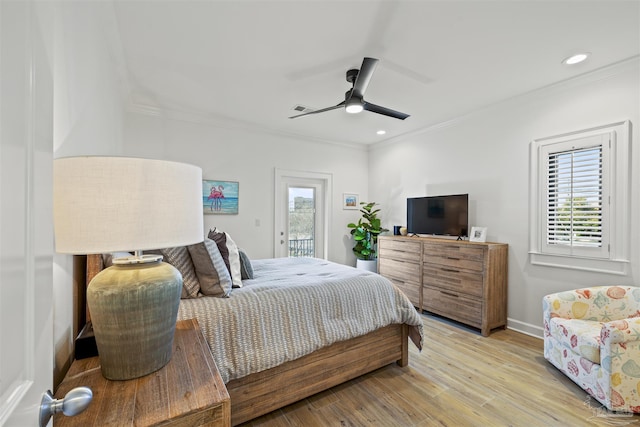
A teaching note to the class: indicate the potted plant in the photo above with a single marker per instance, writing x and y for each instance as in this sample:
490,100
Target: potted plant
365,233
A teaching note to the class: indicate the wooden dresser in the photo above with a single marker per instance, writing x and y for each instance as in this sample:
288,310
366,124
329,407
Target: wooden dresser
188,391
464,281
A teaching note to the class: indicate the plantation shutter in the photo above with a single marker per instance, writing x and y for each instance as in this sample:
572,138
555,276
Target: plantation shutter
574,214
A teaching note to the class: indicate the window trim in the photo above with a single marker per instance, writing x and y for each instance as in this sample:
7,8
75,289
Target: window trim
619,206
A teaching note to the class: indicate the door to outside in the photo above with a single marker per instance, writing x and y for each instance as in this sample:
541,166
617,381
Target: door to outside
301,213
302,222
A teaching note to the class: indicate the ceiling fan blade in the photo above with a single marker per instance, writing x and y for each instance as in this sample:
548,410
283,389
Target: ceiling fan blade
384,111
364,76
319,111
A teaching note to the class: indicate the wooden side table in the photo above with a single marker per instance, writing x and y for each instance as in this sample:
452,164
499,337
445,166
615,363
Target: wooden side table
187,391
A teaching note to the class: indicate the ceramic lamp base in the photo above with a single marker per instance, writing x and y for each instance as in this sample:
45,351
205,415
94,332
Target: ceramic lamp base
134,309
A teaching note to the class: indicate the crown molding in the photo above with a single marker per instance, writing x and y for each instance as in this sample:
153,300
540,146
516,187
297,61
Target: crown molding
225,122
599,74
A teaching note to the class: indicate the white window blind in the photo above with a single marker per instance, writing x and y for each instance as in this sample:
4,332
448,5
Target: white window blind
574,197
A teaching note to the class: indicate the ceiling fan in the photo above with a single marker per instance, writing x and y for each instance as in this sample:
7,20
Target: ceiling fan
354,99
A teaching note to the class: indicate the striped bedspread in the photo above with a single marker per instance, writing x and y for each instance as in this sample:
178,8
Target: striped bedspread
291,308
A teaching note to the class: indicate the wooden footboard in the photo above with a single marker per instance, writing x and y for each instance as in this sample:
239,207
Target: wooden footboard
263,392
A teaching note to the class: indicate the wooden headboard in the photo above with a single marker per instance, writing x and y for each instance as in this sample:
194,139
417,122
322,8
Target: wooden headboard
85,267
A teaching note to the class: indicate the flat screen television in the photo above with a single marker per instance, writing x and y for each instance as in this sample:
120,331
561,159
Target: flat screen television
439,215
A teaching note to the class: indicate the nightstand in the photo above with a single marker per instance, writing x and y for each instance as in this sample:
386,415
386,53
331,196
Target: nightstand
187,391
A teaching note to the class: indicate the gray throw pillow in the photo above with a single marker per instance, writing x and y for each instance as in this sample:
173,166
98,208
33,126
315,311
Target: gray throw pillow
221,241
179,257
212,273
246,269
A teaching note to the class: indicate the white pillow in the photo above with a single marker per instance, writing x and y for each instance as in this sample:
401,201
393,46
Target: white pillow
234,262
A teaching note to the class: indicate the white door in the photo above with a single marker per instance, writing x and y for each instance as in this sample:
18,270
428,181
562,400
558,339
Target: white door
26,230
301,196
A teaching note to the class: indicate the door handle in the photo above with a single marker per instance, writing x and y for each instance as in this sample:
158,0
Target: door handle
72,404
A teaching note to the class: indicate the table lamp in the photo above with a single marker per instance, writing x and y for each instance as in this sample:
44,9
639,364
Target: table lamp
122,204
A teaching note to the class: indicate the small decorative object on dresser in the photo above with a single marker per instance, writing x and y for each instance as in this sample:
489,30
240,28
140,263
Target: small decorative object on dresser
478,234
464,281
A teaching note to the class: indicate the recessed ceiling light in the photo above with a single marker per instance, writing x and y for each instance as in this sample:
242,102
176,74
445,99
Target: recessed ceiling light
381,132
576,59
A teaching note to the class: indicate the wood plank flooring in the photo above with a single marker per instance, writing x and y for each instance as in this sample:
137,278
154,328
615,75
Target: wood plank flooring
459,379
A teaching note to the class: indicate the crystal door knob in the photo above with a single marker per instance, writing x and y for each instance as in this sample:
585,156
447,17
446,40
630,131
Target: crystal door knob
72,404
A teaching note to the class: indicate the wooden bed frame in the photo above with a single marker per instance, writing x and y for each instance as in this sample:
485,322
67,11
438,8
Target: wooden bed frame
260,393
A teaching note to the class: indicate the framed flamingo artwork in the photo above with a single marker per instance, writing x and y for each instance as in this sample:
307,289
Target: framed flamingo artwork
220,197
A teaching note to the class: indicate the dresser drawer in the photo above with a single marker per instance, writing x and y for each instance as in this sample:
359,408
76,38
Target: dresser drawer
411,289
452,305
452,279
456,256
402,270
399,249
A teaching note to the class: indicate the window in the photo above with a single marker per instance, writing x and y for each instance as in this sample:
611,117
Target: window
580,199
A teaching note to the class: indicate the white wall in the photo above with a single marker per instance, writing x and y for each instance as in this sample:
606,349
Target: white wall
486,155
88,114
251,158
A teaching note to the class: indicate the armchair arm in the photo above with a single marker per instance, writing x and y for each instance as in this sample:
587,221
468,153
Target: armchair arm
620,331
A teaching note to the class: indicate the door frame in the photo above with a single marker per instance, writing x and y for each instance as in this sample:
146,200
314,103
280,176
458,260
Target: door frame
280,214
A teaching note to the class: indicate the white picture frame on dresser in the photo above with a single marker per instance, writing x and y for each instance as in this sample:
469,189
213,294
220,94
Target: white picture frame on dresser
478,234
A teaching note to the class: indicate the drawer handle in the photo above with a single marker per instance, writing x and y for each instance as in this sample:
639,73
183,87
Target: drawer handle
450,270
449,294
453,258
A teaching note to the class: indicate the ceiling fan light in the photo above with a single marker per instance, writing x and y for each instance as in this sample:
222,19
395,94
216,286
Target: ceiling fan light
353,108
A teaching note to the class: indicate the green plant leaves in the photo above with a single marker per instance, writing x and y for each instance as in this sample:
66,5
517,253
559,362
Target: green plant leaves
366,231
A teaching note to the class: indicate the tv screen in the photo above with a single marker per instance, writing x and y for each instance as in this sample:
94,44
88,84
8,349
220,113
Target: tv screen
438,215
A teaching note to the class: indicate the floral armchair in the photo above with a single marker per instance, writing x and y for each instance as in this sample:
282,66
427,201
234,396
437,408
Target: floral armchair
593,336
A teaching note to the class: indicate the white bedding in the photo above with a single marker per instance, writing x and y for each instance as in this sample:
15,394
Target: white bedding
291,308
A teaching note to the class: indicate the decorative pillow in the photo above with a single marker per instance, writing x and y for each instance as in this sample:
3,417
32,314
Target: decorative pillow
179,257
212,274
246,270
221,241
234,262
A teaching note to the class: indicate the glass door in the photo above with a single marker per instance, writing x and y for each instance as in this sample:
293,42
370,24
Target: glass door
302,221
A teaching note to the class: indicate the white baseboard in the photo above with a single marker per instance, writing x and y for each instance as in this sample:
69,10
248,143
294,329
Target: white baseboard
525,328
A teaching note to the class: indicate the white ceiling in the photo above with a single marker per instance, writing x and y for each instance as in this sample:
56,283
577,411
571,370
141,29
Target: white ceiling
248,63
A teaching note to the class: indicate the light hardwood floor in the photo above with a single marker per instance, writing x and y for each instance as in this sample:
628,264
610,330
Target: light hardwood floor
459,379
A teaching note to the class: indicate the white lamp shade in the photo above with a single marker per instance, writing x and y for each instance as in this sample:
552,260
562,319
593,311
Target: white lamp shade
109,204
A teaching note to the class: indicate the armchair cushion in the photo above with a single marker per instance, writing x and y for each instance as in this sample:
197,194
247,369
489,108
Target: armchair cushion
581,336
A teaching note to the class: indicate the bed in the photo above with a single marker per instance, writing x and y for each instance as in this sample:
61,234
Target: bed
301,326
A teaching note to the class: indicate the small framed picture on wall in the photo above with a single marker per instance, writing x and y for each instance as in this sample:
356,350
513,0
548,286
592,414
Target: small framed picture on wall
350,201
478,234
220,197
